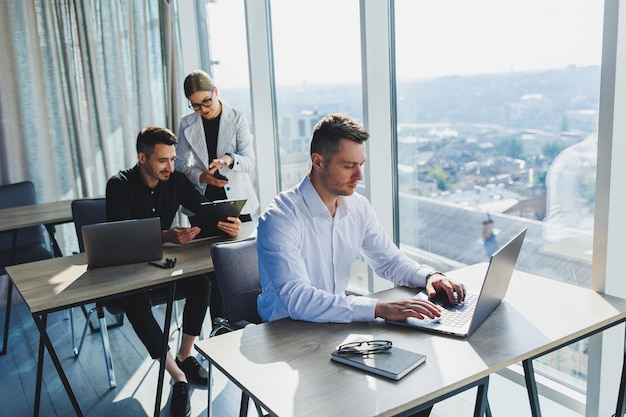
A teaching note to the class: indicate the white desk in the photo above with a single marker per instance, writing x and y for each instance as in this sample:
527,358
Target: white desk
285,366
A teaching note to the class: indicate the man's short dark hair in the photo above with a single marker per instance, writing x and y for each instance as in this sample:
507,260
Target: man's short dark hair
153,135
328,133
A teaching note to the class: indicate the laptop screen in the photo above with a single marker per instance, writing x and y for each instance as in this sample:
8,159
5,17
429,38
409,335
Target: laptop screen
122,242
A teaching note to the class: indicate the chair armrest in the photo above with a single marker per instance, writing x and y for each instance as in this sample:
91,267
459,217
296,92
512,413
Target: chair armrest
223,324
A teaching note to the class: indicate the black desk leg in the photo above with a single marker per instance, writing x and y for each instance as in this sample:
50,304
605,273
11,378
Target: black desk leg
40,321
209,409
7,318
531,387
620,409
243,406
7,315
166,336
55,245
14,248
488,410
39,371
482,404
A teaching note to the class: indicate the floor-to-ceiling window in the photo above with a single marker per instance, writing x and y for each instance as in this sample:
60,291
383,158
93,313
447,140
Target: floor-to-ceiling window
317,69
229,52
228,55
497,109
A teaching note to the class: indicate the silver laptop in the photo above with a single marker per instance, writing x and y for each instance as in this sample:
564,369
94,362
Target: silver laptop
122,242
462,319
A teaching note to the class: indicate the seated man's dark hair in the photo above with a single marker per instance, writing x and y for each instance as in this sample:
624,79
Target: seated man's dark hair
329,131
152,135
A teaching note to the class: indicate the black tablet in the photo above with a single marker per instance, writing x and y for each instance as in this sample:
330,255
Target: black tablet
213,211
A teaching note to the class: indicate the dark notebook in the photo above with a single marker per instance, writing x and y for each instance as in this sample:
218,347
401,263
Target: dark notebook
393,363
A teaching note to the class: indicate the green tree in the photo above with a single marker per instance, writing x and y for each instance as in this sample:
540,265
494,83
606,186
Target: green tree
444,181
511,146
587,187
551,149
540,178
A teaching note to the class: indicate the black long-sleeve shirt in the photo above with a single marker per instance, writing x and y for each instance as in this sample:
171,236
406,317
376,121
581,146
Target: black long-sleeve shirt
128,197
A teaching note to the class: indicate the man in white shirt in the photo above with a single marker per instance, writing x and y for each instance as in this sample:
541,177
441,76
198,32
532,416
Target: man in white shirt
310,235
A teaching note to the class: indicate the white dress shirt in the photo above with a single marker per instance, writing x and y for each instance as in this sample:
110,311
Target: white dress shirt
305,257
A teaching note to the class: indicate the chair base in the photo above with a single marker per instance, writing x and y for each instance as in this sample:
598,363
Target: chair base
113,320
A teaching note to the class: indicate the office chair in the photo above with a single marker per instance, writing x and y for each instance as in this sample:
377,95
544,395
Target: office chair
85,212
27,244
31,243
237,277
90,211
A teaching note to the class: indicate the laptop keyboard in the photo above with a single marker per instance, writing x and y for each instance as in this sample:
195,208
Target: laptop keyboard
458,315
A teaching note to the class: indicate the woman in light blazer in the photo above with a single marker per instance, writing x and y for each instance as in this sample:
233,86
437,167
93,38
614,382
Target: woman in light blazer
215,139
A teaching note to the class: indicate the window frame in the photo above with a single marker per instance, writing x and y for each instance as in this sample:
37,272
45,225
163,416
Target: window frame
379,99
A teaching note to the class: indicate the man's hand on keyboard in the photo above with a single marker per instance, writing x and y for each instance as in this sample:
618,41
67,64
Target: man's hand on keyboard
401,309
441,284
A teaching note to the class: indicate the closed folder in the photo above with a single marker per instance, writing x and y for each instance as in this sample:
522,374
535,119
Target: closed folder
393,363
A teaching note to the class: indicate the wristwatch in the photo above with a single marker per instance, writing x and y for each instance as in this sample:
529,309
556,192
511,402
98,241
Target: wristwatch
232,160
430,274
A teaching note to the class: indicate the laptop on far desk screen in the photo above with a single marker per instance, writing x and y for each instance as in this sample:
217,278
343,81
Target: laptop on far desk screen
213,211
122,242
462,319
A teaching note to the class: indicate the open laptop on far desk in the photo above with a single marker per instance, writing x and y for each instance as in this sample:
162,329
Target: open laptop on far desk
122,242
462,319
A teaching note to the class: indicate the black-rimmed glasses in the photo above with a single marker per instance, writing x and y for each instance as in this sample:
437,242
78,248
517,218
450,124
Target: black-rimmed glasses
206,103
365,347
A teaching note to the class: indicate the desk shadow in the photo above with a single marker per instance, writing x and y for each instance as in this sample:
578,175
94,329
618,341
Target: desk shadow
507,333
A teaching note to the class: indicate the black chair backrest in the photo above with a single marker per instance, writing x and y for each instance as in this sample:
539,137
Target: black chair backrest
87,211
237,275
31,244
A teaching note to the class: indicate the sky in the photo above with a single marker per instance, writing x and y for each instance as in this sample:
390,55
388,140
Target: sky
318,42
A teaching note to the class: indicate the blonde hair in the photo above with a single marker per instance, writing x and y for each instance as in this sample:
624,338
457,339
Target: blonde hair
197,80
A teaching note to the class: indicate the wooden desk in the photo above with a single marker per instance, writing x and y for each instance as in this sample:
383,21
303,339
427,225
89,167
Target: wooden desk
47,214
60,283
285,365
14,218
52,213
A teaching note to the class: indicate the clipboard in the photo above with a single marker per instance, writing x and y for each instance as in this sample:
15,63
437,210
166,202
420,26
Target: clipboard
211,212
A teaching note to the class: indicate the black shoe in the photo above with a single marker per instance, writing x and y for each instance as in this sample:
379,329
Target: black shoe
194,372
179,403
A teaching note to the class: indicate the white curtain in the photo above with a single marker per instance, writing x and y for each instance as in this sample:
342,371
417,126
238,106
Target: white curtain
78,80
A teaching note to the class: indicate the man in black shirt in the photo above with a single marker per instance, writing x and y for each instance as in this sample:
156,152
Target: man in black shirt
153,189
